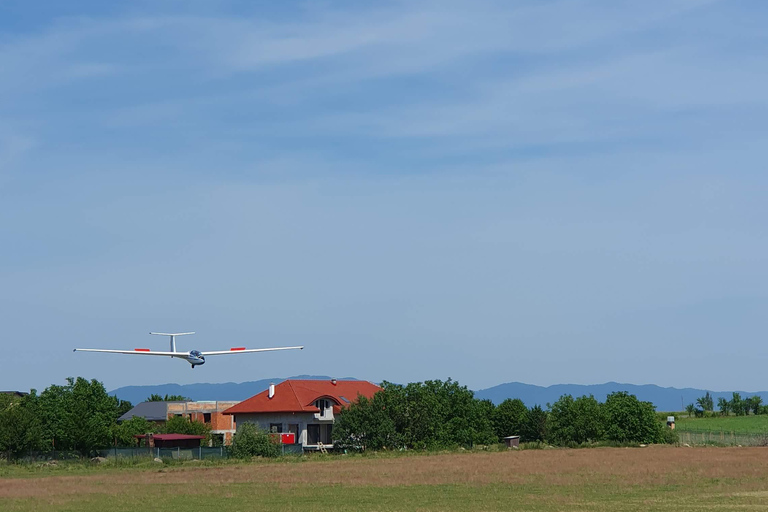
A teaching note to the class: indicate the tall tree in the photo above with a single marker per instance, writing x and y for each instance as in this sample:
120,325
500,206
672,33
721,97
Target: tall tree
367,424
20,428
123,406
421,415
182,425
534,426
628,419
78,416
737,404
508,417
577,420
124,432
724,406
706,403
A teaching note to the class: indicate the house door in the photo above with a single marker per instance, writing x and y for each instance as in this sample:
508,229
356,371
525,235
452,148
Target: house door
313,433
325,434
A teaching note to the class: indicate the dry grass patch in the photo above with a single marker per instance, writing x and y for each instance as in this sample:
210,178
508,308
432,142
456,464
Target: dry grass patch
585,479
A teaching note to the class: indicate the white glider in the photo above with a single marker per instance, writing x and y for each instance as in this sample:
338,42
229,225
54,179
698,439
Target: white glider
193,357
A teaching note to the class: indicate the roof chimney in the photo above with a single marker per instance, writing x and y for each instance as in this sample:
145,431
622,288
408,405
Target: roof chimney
333,381
271,389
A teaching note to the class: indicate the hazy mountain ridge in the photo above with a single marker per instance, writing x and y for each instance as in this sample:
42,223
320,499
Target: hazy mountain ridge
665,399
206,391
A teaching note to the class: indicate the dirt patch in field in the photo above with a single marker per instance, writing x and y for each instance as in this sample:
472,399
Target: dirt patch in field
619,467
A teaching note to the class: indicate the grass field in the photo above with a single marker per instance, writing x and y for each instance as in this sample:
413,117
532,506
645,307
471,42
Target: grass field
737,424
602,479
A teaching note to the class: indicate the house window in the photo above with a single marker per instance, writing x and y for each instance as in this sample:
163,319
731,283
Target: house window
276,428
317,432
206,417
323,405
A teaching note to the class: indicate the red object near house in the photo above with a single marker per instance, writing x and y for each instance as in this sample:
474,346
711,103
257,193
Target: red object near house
289,438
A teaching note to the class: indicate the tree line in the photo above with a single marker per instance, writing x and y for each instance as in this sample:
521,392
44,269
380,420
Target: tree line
736,405
79,417
436,414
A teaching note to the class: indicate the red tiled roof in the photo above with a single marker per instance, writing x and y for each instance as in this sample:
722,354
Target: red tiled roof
170,437
300,396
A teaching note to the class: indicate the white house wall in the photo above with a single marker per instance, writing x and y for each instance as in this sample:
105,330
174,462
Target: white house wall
263,420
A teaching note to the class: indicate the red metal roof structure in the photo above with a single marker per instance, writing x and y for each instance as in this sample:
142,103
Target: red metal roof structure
300,396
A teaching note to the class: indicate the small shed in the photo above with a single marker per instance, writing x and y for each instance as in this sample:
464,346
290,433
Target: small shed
171,440
512,441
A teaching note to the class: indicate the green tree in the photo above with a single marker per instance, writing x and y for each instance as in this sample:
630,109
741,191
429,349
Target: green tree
123,406
249,442
124,432
737,404
182,425
20,428
627,419
436,413
366,424
508,418
91,414
755,404
724,406
421,415
575,421
706,403
78,416
690,409
51,407
154,397
534,426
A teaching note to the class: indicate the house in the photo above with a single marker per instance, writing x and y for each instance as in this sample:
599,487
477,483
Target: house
208,412
304,408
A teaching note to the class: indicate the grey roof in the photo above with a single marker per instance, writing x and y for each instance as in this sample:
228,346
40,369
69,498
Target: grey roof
152,411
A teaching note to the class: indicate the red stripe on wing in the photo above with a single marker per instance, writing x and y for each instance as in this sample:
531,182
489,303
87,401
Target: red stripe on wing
141,350
238,348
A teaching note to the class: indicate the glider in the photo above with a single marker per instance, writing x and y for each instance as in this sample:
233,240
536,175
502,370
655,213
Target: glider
193,357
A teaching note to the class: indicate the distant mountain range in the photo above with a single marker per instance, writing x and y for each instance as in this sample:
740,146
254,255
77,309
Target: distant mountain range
199,392
665,399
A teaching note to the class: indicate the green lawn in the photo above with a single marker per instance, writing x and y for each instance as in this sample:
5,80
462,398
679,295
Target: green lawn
600,479
736,424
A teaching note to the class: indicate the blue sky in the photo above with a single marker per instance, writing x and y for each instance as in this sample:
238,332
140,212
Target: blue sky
537,191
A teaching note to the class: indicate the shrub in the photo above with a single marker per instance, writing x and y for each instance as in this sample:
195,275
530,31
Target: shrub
249,442
534,425
669,436
576,421
627,419
508,418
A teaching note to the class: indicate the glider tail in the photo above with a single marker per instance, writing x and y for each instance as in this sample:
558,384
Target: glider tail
173,337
